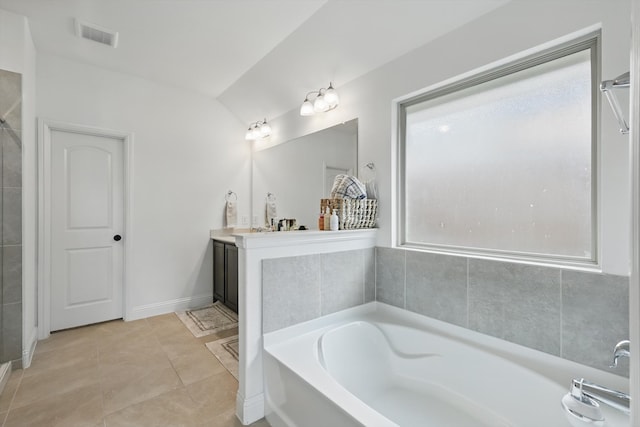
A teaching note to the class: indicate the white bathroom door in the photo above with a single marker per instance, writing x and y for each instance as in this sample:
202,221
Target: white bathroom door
87,222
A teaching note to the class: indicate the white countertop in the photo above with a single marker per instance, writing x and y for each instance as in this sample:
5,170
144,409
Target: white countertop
225,238
239,237
227,235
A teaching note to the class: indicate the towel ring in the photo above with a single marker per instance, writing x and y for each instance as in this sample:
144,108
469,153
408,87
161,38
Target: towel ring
271,197
367,170
228,196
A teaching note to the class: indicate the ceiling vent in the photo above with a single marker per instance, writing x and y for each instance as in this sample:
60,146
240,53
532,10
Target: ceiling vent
96,33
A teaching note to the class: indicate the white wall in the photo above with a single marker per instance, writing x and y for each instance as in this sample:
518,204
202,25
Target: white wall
188,150
18,54
507,31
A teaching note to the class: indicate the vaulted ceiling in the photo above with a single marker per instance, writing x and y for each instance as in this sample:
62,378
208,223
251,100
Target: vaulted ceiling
258,57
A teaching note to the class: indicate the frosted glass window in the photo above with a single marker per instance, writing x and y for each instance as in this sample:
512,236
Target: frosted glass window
506,165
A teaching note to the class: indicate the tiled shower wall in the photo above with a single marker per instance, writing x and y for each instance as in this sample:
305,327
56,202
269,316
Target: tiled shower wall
11,200
575,315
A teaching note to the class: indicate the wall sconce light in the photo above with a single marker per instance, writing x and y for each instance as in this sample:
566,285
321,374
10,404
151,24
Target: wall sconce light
257,130
325,100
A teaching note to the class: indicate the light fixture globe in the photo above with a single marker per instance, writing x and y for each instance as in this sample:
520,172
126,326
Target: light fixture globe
320,104
307,108
265,129
255,132
331,96
323,100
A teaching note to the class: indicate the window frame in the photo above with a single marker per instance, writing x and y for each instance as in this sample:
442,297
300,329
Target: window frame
590,41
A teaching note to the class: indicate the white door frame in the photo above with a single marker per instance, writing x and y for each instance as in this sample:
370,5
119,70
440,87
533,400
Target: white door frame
45,127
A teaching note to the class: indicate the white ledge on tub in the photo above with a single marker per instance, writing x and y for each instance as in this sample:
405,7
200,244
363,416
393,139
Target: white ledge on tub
304,237
253,248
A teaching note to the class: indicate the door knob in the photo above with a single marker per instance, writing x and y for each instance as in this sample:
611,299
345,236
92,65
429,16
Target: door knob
117,237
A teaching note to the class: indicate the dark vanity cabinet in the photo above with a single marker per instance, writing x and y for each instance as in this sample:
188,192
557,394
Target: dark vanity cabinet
225,274
231,276
218,271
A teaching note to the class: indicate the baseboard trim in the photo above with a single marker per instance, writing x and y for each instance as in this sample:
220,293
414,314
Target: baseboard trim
249,410
164,307
29,348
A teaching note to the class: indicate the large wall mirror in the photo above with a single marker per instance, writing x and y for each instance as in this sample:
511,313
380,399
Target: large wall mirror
300,172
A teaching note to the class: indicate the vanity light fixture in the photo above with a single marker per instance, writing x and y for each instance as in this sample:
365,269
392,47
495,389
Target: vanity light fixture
325,100
258,130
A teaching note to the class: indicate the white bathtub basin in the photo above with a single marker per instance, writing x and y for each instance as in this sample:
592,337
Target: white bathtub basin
406,385
379,366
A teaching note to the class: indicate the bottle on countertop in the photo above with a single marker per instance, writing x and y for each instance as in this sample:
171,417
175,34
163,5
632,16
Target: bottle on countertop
327,219
334,221
321,221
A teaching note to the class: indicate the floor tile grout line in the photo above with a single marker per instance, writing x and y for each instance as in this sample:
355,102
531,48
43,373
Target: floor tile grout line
100,359
157,340
94,344
171,362
104,414
155,335
45,372
6,416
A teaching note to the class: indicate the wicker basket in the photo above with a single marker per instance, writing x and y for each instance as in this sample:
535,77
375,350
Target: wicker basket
353,213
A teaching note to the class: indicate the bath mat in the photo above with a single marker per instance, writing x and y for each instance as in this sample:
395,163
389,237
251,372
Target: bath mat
208,320
227,352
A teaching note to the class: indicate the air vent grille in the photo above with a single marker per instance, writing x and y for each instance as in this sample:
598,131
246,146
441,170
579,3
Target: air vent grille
96,33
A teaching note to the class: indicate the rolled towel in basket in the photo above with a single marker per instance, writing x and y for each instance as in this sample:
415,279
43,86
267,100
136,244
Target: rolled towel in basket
231,213
348,187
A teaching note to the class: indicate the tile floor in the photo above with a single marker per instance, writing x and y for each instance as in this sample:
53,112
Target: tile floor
149,372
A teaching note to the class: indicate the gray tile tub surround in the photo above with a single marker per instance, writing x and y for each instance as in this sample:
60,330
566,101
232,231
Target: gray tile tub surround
576,315
390,276
297,289
290,291
595,316
436,286
516,302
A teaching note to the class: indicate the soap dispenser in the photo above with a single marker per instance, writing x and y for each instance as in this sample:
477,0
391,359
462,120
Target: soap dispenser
334,221
327,219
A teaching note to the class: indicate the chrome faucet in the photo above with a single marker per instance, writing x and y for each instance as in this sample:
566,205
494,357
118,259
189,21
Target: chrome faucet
620,350
581,389
582,400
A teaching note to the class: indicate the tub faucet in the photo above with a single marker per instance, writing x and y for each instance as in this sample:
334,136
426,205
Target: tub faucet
582,400
620,350
588,394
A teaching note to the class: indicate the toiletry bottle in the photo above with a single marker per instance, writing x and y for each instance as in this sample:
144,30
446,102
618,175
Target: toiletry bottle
327,219
321,221
334,221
